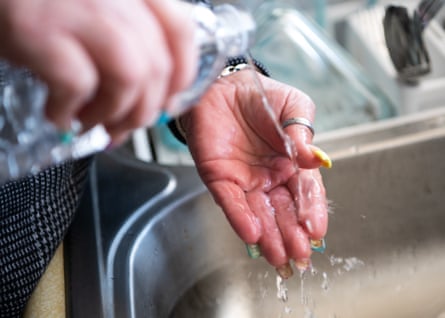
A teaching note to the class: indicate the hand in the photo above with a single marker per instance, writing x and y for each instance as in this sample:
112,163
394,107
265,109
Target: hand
242,160
105,61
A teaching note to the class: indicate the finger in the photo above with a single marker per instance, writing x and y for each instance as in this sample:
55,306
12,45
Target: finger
66,68
180,29
125,66
232,199
271,241
140,116
71,88
295,237
162,70
120,78
307,187
300,105
118,137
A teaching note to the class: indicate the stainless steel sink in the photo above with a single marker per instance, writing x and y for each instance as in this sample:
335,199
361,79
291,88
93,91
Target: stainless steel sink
149,241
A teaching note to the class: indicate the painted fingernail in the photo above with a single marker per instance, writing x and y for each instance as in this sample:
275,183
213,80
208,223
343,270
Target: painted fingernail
285,271
302,264
318,245
163,119
322,156
253,250
66,137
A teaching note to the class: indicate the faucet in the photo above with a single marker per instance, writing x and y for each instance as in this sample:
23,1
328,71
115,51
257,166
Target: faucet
403,36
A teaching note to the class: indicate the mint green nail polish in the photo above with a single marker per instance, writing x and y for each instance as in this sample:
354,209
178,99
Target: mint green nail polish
253,250
163,119
318,245
66,137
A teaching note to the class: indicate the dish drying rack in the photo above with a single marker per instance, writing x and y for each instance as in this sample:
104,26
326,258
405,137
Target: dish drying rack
364,39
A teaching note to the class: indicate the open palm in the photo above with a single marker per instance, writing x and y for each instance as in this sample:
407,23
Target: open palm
243,162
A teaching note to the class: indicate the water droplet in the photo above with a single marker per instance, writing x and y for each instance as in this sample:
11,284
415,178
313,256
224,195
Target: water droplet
281,289
287,310
352,263
325,282
335,260
308,313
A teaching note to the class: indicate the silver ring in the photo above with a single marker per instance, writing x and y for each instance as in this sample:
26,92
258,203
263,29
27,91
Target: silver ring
298,121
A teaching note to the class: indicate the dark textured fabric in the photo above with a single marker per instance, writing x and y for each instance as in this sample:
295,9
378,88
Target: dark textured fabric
233,61
204,2
35,213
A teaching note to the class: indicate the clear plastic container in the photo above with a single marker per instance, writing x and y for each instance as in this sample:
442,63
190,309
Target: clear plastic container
298,52
222,32
29,142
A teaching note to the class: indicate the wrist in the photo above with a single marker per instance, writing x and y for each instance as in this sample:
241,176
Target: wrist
232,69
180,128
234,61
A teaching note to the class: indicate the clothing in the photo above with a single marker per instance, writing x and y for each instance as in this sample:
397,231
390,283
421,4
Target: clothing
35,213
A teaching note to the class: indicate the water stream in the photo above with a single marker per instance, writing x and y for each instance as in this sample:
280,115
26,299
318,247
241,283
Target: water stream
289,145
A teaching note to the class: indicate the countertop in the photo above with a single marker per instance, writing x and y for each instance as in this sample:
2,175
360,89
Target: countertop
48,300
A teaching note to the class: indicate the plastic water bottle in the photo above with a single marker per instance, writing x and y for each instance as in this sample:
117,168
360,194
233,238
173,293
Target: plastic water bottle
222,32
30,143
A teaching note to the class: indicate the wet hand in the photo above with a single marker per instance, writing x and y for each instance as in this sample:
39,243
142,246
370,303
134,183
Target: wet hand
242,160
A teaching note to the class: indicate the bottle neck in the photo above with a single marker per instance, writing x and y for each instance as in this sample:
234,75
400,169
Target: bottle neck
229,27
235,30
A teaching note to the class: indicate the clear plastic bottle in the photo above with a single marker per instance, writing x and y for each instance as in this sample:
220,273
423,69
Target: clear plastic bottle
30,143
222,32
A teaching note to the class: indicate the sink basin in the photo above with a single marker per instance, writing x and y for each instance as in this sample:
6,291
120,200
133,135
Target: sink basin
148,241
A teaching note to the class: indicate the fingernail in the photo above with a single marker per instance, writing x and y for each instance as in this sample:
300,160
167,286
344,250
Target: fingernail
318,245
302,264
66,137
253,250
285,271
322,156
163,119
